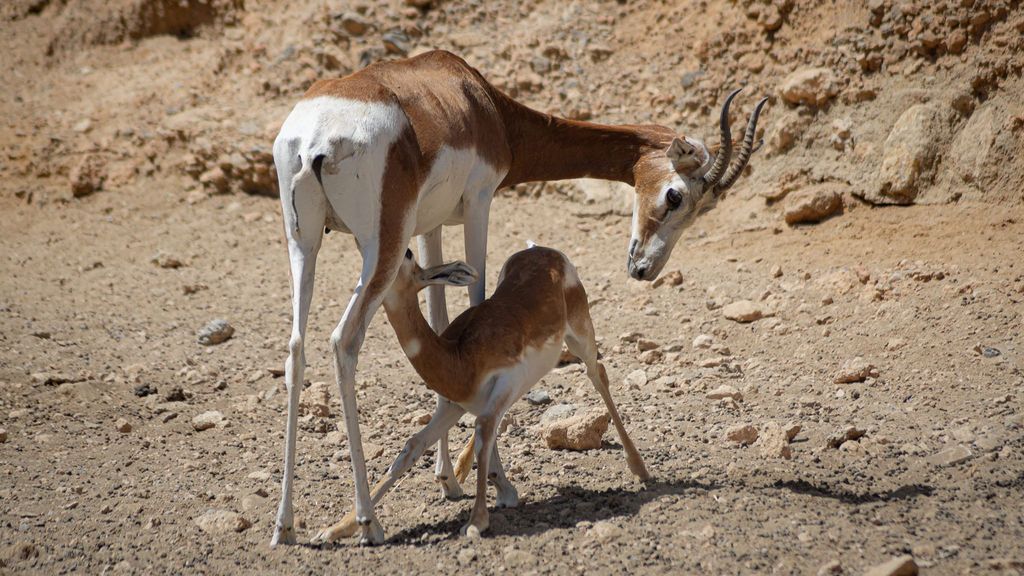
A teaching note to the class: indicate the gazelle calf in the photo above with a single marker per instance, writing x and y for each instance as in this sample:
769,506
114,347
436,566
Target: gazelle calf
488,358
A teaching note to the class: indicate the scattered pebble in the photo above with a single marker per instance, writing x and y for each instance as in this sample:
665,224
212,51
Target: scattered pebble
219,522
743,311
143,390
900,566
855,370
538,397
833,567
316,400
742,434
844,435
122,426
207,420
724,391
467,555
3,435
673,278
703,341
636,378
951,456
215,332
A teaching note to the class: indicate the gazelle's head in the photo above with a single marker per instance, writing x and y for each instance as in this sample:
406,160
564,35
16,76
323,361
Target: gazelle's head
675,185
411,278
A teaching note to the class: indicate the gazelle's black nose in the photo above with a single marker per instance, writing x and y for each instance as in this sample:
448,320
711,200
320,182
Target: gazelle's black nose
637,272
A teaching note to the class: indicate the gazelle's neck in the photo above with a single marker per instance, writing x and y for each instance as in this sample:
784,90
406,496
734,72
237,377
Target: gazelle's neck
433,357
545,147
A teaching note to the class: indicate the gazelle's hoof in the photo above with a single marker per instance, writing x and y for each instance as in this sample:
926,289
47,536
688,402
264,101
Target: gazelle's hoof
470,532
283,535
373,533
450,488
507,498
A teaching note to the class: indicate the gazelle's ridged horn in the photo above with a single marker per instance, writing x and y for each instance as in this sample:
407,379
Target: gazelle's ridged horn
725,150
746,150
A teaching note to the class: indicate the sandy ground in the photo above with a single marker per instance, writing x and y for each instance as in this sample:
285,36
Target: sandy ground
83,302
167,114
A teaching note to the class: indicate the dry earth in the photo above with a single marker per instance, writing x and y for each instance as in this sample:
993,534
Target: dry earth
138,203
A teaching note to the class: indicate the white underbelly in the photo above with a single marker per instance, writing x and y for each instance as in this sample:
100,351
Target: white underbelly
454,175
507,385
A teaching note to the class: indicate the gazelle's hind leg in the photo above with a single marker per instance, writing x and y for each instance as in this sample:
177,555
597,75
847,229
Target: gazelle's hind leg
581,342
508,497
485,436
437,315
304,209
445,416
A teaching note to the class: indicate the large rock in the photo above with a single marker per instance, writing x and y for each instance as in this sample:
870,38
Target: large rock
218,522
742,434
809,86
580,432
970,152
207,420
215,332
813,204
909,157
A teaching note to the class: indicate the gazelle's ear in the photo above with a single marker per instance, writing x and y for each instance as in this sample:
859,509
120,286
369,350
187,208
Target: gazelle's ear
685,157
452,274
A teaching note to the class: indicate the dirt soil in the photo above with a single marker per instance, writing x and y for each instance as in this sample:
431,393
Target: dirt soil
139,205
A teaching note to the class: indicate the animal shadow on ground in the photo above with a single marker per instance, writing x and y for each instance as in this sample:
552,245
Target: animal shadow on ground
571,505
804,487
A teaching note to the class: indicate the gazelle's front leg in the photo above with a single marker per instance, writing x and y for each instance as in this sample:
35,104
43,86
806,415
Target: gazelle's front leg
437,316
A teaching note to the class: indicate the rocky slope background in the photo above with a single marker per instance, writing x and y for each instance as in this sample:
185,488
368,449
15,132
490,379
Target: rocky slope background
843,397
883,102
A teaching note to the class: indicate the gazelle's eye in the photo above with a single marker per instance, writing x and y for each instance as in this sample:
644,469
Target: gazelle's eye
674,198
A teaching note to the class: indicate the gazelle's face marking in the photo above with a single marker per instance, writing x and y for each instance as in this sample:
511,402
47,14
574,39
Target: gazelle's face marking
669,196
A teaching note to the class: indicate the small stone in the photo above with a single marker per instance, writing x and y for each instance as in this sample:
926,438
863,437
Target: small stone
215,332
423,419
579,432
316,400
259,475
88,176
809,86
604,531
900,566
950,456
703,341
829,568
643,345
845,435
217,522
855,370
467,555
673,278
630,337
724,391
774,440
396,42
3,435
557,412
812,204
166,261
122,426
636,379
538,397
652,357
355,23
742,434
175,394
82,126
207,420
215,180
776,271
144,390
743,311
